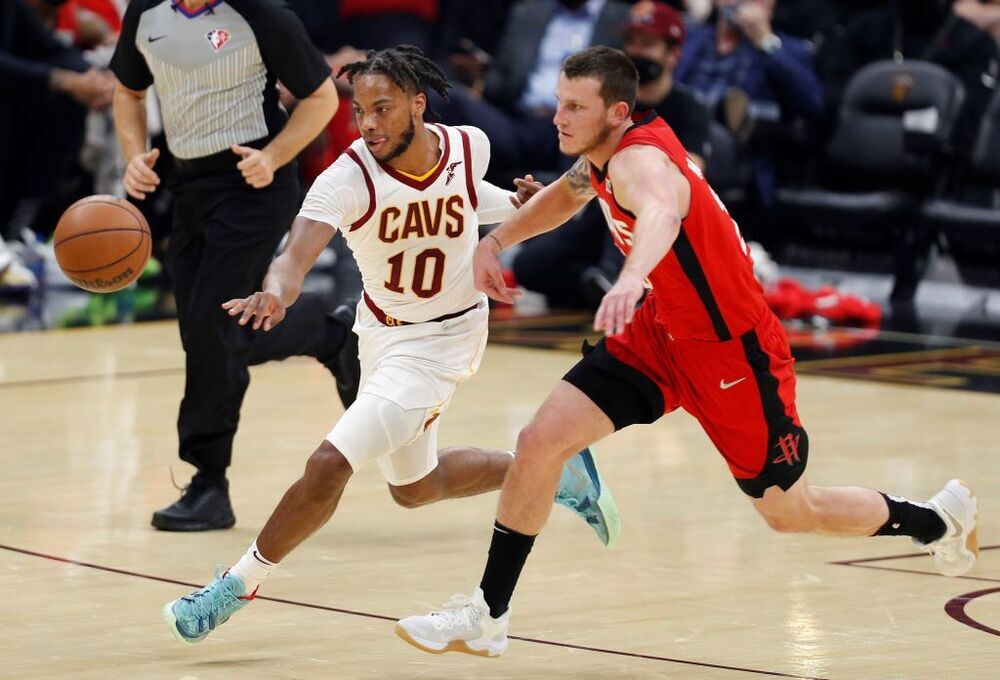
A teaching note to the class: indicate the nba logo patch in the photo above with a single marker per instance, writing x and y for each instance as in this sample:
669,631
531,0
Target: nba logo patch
217,37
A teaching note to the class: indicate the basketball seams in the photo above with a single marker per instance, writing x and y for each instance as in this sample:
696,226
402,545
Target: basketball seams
130,209
107,242
91,200
114,262
100,231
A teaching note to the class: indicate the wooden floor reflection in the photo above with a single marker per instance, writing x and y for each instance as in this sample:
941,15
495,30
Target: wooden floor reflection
697,588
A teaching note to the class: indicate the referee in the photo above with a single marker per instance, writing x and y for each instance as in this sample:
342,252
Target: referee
215,64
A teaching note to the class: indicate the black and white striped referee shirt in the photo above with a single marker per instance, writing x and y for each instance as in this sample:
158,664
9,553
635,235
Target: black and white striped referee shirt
215,68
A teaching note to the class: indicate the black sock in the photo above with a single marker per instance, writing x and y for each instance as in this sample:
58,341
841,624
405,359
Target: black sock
508,553
909,519
206,478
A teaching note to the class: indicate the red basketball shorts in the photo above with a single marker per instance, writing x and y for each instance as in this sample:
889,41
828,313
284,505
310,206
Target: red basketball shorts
742,391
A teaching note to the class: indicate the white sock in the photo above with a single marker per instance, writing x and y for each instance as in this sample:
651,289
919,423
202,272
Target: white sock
253,569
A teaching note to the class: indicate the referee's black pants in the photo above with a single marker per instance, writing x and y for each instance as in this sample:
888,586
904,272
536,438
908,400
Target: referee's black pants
224,236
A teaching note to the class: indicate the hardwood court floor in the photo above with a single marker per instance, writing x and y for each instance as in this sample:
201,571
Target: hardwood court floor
697,588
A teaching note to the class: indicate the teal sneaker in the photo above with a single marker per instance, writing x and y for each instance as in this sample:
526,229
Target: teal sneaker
581,490
194,616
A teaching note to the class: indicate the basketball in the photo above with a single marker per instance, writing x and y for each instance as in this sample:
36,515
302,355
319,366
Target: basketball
102,243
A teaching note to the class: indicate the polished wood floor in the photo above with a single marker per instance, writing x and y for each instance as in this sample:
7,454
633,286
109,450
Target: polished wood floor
697,588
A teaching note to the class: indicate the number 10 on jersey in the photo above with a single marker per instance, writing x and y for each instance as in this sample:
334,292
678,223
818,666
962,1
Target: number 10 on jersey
432,259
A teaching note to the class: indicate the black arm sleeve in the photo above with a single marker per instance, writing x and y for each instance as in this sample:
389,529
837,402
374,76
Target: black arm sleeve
128,64
285,46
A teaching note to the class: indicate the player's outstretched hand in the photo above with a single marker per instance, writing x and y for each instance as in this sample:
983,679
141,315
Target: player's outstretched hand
526,188
265,309
489,274
618,306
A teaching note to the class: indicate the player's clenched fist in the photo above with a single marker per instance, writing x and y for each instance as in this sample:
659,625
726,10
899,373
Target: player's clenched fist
265,309
140,178
257,166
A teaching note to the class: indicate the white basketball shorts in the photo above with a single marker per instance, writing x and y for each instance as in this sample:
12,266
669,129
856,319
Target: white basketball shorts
408,377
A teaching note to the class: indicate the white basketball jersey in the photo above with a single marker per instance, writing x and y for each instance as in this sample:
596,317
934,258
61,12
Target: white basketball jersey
413,239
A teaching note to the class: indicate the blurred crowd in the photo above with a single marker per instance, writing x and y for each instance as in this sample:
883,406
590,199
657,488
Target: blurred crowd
755,89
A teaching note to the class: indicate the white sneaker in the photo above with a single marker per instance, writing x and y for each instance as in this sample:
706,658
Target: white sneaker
956,551
464,626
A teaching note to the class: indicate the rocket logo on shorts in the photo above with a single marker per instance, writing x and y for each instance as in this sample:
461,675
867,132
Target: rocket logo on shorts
789,446
217,37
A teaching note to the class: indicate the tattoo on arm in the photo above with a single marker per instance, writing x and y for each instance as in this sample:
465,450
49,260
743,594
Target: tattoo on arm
579,179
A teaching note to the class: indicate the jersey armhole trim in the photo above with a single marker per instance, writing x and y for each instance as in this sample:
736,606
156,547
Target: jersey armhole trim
467,153
371,191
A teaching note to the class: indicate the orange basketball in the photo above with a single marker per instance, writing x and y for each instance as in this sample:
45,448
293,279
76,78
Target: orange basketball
102,243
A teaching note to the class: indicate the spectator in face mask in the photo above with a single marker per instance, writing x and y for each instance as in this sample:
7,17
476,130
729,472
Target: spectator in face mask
654,40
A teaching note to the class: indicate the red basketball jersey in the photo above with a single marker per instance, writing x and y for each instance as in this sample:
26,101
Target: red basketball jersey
705,287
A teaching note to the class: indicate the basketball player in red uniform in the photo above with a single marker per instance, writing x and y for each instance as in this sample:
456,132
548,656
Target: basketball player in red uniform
702,339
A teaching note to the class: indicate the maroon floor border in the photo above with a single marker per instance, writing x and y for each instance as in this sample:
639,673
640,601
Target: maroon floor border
955,607
94,377
382,617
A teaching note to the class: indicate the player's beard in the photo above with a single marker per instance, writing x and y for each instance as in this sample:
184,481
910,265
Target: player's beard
404,143
598,139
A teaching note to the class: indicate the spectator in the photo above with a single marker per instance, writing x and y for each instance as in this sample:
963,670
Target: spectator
574,266
377,24
654,40
513,100
984,14
368,24
48,89
846,10
740,49
756,74
815,21
93,26
89,23
474,21
695,11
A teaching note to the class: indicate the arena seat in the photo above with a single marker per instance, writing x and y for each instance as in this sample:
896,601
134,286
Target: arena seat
891,136
967,210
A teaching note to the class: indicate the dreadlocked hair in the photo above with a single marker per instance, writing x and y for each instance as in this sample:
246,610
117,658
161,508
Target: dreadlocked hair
406,65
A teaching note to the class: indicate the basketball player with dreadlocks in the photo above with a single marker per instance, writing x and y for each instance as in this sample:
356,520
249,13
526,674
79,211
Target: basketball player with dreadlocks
408,198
